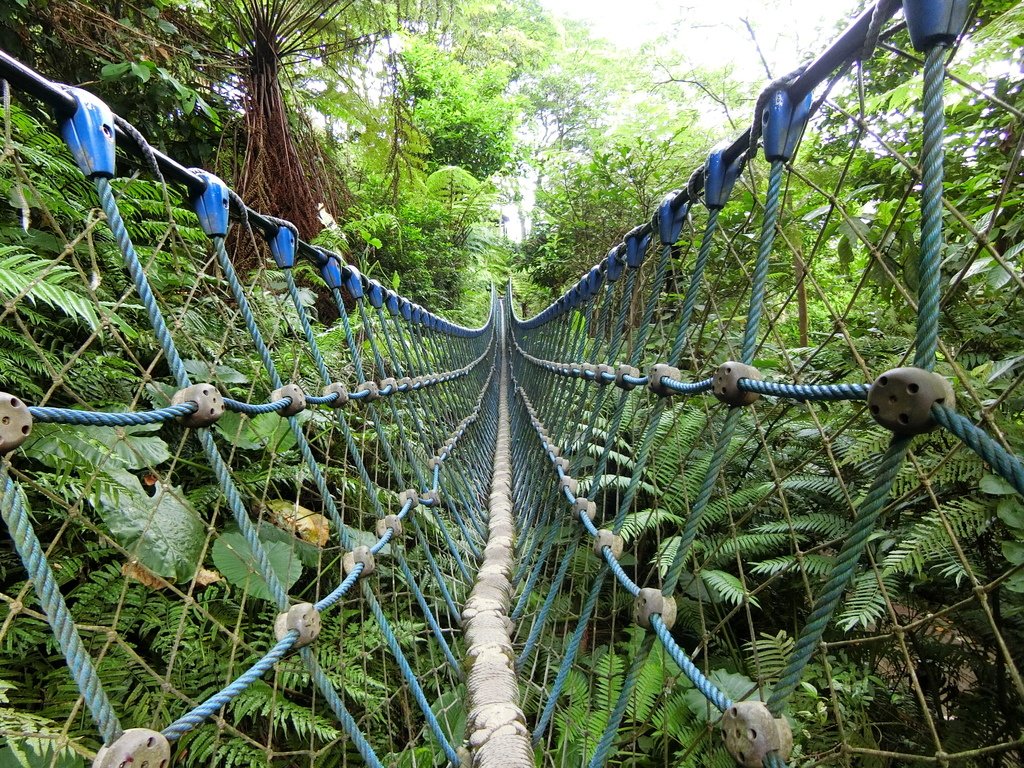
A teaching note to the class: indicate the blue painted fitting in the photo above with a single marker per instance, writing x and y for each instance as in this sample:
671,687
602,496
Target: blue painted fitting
720,176
614,265
322,256
405,307
932,22
375,294
636,249
573,297
212,205
353,281
671,215
584,285
330,270
89,134
283,248
594,279
782,122
392,302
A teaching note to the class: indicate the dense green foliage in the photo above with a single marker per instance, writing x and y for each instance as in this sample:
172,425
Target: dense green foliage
409,130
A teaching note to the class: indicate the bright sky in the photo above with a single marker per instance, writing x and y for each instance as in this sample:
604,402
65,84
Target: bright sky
711,32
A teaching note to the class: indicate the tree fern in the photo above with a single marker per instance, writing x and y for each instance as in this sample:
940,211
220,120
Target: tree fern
768,654
865,602
812,565
823,524
727,588
23,275
928,542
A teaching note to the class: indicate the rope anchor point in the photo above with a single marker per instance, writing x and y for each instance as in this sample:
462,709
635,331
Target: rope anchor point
901,400
135,747
751,732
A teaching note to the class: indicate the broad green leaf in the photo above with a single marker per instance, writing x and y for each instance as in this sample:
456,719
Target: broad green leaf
162,531
105,448
734,685
225,374
1013,551
996,486
111,71
38,753
236,562
1011,512
142,72
267,430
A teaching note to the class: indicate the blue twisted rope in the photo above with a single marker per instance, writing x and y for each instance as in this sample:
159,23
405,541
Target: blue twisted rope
1006,464
46,415
759,279
52,601
806,391
929,264
256,409
841,575
198,715
709,690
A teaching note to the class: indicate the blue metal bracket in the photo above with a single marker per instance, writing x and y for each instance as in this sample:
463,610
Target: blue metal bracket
330,270
934,22
353,281
375,294
671,215
782,122
283,247
636,249
89,134
405,307
719,177
614,265
213,205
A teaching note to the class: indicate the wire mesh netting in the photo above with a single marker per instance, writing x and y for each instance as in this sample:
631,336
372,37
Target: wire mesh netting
246,508
789,495
177,539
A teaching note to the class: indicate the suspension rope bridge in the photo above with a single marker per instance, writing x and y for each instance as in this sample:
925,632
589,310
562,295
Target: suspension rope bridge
443,543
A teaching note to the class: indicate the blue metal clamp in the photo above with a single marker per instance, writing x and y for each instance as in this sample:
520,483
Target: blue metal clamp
391,300
614,265
283,247
353,281
330,270
89,134
933,22
782,122
405,307
671,215
719,177
636,248
212,205
375,294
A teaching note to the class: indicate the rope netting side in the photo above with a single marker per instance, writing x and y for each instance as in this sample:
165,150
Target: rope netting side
184,540
781,542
